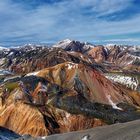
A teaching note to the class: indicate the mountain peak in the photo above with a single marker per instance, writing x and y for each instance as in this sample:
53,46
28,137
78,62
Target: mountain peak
3,48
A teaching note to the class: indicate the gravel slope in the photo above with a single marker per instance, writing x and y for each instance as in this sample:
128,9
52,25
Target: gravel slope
126,131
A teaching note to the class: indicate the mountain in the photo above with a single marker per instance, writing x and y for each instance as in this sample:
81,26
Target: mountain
63,44
126,58
27,59
72,45
64,98
3,48
68,87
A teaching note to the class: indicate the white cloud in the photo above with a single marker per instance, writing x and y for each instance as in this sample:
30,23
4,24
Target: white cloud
64,20
103,7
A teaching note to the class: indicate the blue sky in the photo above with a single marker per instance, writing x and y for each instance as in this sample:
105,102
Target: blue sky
49,21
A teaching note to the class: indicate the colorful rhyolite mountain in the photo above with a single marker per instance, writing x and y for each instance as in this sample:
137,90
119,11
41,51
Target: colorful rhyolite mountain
68,87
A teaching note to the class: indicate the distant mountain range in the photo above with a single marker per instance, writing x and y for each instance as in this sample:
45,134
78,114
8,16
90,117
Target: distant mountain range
120,58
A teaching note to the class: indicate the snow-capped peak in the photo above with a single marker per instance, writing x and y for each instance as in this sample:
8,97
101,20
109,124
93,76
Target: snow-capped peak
109,45
3,48
63,43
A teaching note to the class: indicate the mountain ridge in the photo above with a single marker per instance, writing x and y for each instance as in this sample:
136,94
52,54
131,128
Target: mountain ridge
69,87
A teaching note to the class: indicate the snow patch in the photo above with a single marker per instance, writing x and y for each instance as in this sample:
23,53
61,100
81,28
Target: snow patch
5,72
82,56
69,66
112,103
63,43
86,137
43,88
43,137
130,82
2,61
4,48
72,66
33,73
11,53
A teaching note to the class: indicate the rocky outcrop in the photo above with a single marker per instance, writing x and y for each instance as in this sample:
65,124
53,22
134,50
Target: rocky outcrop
23,119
